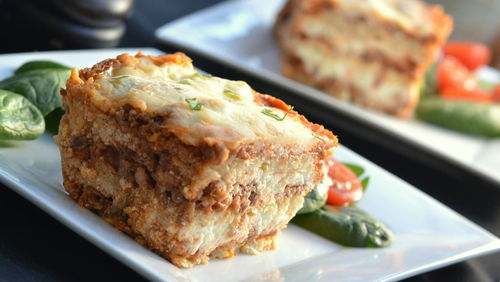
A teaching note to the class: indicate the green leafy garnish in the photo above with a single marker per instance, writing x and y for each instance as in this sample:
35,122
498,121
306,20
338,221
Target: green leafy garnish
19,118
30,94
322,138
185,81
348,226
232,94
364,183
119,78
314,200
37,65
116,80
429,85
127,203
193,105
202,76
358,170
270,113
53,119
40,86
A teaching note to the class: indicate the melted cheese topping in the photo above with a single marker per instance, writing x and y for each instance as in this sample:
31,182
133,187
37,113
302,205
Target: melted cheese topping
228,112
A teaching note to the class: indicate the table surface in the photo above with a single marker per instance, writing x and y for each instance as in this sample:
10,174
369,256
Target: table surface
35,247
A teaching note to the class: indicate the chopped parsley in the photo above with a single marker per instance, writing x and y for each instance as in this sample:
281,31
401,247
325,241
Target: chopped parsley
120,77
127,203
193,105
270,113
232,94
185,81
116,80
322,138
201,75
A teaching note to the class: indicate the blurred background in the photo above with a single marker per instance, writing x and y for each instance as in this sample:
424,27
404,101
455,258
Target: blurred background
29,25
475,20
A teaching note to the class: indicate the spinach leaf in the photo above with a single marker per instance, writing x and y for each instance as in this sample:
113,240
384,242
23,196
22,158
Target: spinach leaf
40,86
358,170
429,85
19,119
346,226
53,119
37,65
364,183
315,199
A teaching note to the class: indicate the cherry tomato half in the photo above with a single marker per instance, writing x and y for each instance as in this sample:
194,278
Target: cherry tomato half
346,187
472,55
476,95
496,94
453,74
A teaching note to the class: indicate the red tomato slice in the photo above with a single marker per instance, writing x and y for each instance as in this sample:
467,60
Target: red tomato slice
476,95
496,94
457,82
346,187
452,74
472,55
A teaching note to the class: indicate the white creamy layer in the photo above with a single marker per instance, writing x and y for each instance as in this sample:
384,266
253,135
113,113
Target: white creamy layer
206,232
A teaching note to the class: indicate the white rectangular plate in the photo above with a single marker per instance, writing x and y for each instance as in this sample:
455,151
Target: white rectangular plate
238,33
428,235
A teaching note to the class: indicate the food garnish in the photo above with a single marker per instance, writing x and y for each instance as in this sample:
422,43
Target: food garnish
202,76
116,80
40,86
496,94
38,82
19,118
322,138
347,226
472,54
37,65
461,115
270,113
334,215
232,94
453,97
193,105
346,187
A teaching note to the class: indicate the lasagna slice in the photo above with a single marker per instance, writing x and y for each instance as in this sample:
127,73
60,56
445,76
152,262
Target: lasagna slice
373,53
191,166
